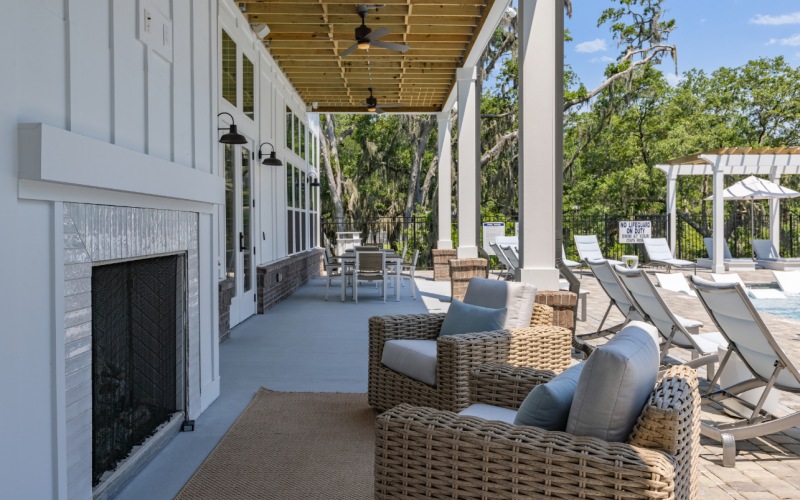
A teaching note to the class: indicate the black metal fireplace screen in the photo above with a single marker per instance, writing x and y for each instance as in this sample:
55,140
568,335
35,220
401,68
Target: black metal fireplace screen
138,317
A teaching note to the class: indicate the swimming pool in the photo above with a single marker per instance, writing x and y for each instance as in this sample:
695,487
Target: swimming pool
788,307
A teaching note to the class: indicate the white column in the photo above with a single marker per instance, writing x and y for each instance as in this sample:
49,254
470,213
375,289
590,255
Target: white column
541,104
718,214
672,209
445,182
469,150
775,214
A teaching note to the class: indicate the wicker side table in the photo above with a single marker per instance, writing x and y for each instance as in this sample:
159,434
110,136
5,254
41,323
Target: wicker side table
462,270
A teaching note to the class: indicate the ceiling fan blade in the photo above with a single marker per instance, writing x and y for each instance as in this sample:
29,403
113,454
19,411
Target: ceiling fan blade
388,45
349,50
378,33
379,110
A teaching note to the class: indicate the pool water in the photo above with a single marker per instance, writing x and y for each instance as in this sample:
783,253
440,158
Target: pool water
788,307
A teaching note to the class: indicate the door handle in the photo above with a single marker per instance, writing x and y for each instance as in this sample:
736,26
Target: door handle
241,242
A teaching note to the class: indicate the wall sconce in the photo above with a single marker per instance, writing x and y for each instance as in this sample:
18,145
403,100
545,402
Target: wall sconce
233,136
272,159
315,183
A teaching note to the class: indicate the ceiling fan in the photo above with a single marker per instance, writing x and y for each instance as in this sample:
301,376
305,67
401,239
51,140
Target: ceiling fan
365,37
372,104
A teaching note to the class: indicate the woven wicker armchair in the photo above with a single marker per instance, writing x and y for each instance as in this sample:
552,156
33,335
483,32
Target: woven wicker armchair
426,452
541,346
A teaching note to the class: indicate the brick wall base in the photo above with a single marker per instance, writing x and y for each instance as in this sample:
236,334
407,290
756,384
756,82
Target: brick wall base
441,263
563,304
278,280
225,297
463,270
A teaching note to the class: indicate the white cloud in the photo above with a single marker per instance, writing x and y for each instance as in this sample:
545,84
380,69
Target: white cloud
672,79
792,41
793,18
772,41
597,45
602,59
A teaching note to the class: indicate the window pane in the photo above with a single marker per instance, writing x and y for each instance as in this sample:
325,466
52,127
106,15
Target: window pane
289,185
290,231
303,140
247,236
228,69
230,216
297,188
296,135
248,88
302,190
289,133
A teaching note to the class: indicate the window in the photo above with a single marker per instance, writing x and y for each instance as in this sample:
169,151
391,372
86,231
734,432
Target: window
289,185
303,141
296,148
302,190
248,88
289,134
228,68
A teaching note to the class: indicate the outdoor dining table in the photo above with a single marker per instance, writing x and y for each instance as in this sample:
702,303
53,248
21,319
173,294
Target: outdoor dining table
392,259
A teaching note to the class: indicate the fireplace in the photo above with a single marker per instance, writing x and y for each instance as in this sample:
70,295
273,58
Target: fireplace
138,344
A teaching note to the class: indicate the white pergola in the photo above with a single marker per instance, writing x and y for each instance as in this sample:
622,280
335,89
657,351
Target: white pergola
772,162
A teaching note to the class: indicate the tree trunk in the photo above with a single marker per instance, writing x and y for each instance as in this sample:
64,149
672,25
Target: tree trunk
330,156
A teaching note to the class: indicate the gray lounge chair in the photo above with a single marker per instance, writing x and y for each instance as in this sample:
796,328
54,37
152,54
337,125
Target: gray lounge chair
728,261
658,252
767,256
770,367
589,248
673,328
618,296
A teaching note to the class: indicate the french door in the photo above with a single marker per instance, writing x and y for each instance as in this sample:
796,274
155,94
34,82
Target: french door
239,241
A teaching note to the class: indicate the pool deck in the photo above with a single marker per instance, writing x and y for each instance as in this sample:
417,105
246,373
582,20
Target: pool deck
766,468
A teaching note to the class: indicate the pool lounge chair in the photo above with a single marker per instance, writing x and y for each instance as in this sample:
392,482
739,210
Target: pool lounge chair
589,248
673,328
728,261
658,253
770,367
509,270
789,281
675,283
567,262
756,293
618,296
767,256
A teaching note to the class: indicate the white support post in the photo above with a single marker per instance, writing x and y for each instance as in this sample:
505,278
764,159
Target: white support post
469,150
672,209
445,182
775,213
717,263
541,112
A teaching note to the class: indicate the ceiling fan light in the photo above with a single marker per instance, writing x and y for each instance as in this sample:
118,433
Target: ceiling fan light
363,45
372,109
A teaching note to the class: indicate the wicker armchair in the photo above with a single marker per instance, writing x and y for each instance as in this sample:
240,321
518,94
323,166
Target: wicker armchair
426,452
541,346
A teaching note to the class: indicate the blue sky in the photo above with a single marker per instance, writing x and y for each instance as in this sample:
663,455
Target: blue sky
710,34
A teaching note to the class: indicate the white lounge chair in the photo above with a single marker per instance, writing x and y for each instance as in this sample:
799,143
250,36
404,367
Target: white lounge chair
618,296
789,281
589,248
756,293
501,256
767,256
673,328
770,367
658,252
675,283
567,262
730,263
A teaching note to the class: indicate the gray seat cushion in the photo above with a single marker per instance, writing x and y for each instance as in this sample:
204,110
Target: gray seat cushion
467,318
489,412
615,384
547,406
413,358
518,298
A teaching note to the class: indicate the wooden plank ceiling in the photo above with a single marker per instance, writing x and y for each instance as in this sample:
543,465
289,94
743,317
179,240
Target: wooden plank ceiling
439,34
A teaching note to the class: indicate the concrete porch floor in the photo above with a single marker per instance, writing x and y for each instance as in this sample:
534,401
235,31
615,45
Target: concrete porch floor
306,344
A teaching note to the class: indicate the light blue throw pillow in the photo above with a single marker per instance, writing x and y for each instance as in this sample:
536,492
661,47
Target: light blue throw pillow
547,406
467,318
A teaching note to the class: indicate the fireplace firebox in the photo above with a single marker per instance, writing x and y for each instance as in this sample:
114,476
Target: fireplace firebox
138,353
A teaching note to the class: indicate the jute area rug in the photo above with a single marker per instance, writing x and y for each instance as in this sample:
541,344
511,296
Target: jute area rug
292,445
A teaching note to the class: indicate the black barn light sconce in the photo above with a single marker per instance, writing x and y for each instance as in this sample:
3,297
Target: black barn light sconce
315,183
232,136
272,159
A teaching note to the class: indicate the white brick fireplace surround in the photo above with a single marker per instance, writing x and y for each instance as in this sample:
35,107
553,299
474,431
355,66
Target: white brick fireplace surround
98,234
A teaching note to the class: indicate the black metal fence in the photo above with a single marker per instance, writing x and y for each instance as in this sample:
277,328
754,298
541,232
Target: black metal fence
404,235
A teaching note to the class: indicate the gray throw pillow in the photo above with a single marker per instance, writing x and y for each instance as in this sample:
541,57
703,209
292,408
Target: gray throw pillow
547,406
615,384
466,318
517,297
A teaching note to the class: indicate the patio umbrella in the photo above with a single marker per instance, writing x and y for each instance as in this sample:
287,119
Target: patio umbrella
753,188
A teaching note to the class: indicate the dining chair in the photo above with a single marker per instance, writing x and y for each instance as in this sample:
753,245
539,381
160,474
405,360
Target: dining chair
407,272
332,270
369,266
